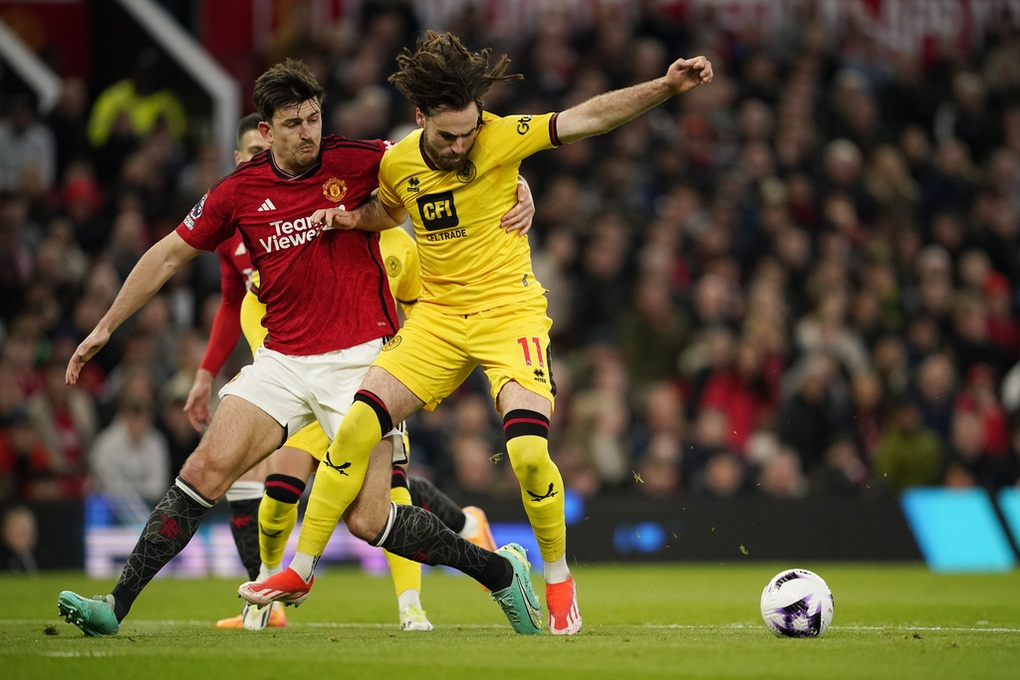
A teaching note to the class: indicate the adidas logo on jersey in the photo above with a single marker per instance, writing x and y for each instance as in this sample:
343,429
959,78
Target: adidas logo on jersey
240,249
266,206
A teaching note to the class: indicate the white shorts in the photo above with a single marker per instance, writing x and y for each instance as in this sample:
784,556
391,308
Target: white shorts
299,390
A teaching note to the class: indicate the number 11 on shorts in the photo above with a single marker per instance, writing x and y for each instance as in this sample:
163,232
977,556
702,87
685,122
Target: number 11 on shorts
525,344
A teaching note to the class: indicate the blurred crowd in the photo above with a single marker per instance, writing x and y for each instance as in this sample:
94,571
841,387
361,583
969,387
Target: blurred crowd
800,279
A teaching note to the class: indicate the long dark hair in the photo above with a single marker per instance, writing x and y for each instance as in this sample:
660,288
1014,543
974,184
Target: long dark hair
443,74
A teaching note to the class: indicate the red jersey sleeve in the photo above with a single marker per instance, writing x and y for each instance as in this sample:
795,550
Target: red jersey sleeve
211,221
226,328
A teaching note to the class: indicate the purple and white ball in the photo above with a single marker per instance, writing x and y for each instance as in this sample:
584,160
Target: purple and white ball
797,603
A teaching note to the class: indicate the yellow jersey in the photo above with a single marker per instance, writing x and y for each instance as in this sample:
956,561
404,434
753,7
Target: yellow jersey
468,262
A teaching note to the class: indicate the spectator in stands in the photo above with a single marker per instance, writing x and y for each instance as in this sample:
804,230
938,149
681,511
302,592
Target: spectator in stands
651,333
659,441
741,389
843,470
1007,472
978,397
814,410
19,239
18,537
1003,326
29,160
600,416
866,402
130,461
780,476
909,454
66,420
725,475
26,469
131,109
68,121
968,462
172,421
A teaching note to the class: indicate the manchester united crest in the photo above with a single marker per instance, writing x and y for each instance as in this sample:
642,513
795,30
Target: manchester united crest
334,189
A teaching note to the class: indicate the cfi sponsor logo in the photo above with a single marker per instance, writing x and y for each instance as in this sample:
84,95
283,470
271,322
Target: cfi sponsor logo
334,189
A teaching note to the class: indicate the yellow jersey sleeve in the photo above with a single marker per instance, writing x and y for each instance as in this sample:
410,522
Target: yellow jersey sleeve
468,263
400,256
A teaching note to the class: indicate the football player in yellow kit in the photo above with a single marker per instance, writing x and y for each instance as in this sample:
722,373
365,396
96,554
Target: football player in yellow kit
480,306
275,485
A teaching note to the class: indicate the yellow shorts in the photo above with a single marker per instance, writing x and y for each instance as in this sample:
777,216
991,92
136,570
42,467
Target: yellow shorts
435,352
252,311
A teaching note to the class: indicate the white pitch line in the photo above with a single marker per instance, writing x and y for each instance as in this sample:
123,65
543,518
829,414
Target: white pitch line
483,626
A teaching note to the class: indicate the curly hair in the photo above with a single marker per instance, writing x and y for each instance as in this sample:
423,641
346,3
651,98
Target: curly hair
442,74
284,85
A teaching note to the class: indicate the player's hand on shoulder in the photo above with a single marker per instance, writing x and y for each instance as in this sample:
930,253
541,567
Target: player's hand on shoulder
686,74
334,218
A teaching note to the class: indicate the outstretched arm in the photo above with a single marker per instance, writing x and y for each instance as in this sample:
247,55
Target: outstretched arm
609,110
155,268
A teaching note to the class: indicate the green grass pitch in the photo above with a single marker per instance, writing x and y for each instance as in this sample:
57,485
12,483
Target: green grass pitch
640,621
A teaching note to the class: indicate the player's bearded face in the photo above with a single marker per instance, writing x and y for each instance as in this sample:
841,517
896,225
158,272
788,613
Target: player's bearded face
295,134
449,136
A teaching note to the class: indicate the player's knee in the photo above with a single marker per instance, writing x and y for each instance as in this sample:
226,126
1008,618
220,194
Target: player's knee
205,475
527,441
527,460
364,525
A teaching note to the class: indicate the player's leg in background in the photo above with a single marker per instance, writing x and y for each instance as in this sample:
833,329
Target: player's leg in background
288,469
406,574
243,502
469,522
243,499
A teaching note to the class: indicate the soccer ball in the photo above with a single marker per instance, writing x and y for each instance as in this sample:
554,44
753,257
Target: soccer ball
796,603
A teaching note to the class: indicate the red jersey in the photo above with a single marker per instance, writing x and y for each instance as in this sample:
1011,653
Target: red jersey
323,290
235,279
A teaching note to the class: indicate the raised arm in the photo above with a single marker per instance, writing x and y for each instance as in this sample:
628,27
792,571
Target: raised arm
609,110
155,268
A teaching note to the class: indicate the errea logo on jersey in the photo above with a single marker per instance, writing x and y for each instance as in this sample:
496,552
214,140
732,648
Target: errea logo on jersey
290,234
